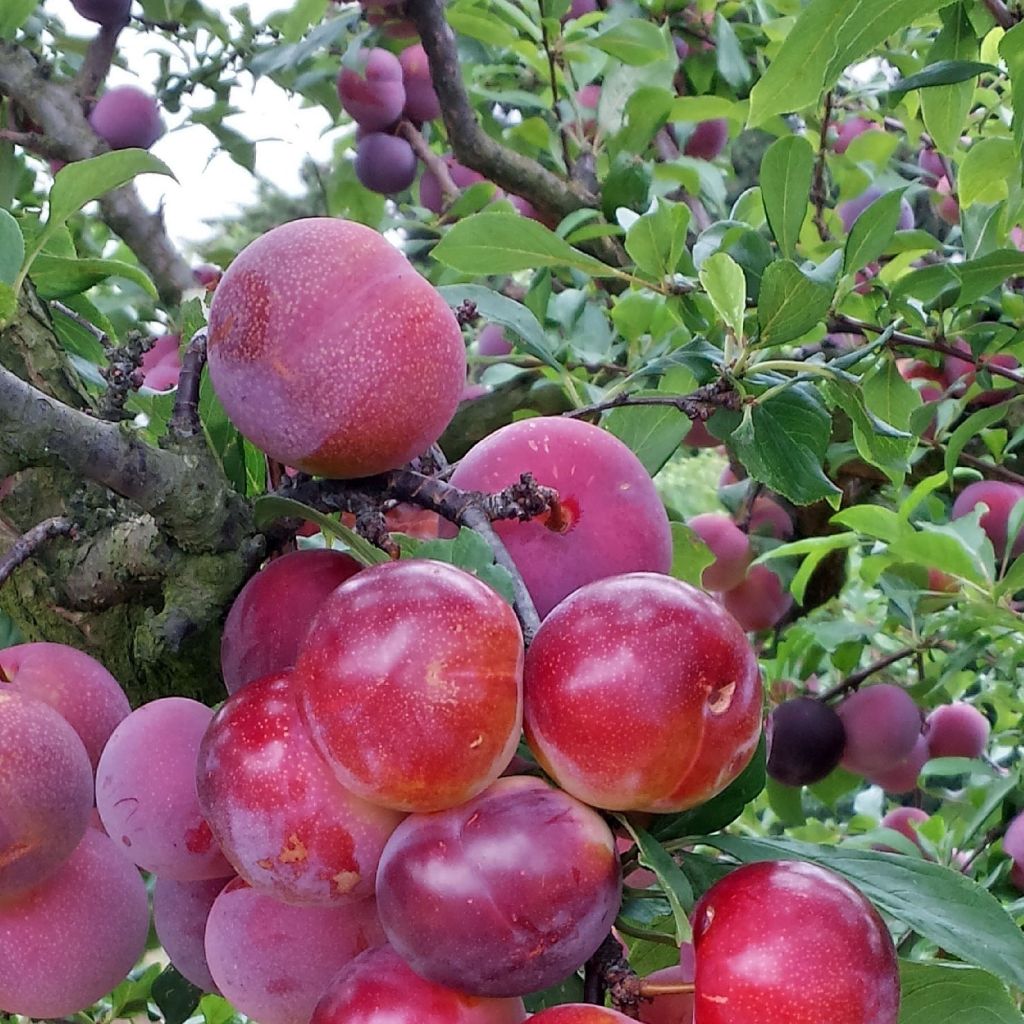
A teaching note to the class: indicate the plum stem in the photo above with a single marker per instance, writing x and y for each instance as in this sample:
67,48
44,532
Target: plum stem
98,59
24,547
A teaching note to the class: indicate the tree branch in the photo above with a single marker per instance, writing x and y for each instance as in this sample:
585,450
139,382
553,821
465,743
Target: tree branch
54,106
26,544
819,193
698,405
198,510
449,190
98,59
1001,13
185,421
518,174
854,680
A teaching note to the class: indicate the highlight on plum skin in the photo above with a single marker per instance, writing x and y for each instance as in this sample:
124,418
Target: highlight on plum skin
272,960
822,951
669,745
379,987
282,819
146,791
478,897
180,913
601,486
76,686
331,353
274,610
410,682
76,936
46,793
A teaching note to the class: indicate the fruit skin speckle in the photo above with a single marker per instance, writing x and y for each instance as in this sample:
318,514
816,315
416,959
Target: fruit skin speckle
792,943
330,353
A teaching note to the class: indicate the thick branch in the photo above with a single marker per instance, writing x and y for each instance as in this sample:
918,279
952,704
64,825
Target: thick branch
54,106
26,544
473,147
176,490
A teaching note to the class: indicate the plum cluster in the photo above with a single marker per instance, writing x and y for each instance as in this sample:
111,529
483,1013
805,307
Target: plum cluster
878,732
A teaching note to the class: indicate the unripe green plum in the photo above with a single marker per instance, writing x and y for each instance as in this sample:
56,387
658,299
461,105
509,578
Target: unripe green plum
666,745
792,943
609,520
501,896
410,681
330,353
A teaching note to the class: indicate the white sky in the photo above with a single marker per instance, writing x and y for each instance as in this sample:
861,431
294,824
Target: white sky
211,187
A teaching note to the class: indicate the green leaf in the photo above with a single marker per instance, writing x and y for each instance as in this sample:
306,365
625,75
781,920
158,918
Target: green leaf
786,171
1011,49
946,106
828,36
978,277
944,72
82,181
500,309
690,555
782,443
656,241
670,877
972,428
933,993
14,14
9,635
988,172
303,15
628,184
872,231
723,280
175,996
787,802
730,59
502,243
469,551
56,277
651,432
12,248
633,41
789,303
269,507
814,549
943,905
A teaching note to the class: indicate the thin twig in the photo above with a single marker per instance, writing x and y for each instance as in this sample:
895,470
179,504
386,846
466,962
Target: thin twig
1001,13
22,549
435,164
854,680
698,405
553,75
184,422
819,193
123,372
990,469
994,833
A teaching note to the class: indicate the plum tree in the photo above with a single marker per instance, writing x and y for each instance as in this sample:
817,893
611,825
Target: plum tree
274,610
372,92
956,730
477,897
404,365
378,987
127,118
45,792
385,163
601,484
822,951
180,913
76,686
272,959
282,819
806,739
882,725
700,717
428,661
74,937
146,791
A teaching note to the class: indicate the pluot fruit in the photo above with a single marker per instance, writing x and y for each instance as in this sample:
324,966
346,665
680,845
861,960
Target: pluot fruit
642,693
330,353
956,730
410,681
504,895
882,724
805,741
385,163
999,499
180,913
792,943
372,93
127,118
421,102
104,12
